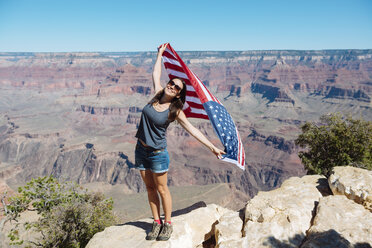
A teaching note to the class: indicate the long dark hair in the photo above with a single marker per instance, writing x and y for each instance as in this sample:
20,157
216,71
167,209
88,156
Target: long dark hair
177,102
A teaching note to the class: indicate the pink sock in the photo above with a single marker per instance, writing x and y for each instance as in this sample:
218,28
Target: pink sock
157,221
168,222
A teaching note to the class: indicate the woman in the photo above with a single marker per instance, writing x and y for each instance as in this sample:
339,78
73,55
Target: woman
151,155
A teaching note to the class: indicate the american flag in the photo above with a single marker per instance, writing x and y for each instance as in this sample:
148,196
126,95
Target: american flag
201,103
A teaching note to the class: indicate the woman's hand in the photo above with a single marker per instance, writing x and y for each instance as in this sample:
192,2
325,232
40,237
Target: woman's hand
218,152
162,48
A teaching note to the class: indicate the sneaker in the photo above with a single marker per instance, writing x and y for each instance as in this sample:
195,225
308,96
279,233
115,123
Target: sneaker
154,231
165,233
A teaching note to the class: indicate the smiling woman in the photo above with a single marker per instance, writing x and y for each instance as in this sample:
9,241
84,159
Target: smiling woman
151,153
175,88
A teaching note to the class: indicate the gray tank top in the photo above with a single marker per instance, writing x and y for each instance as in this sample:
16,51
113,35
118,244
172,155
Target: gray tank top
153,127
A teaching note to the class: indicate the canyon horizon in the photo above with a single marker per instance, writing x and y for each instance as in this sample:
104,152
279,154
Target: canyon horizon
74,116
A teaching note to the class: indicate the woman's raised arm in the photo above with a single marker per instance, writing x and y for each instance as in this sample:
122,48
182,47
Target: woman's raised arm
181,118
156,74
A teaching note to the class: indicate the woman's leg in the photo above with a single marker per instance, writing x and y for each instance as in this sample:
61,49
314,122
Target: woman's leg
160,180
152,193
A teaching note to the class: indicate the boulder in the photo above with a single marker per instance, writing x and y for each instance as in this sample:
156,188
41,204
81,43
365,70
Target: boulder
354,183
281,217
340,221
228,228
190,230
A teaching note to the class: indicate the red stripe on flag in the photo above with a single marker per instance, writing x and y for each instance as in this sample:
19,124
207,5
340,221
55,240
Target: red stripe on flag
169,55
191,93
243,153
200,116
173,67
240,150
195,105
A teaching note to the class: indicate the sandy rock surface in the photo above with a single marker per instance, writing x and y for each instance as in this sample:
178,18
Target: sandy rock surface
228,228
282,215
354,183
340,220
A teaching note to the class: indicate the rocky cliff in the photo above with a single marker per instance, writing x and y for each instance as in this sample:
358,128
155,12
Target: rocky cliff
74,115
305,212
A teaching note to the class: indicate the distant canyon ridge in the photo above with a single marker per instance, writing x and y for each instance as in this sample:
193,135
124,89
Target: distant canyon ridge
74,115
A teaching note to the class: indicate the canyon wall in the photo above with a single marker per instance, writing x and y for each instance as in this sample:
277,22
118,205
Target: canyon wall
74,115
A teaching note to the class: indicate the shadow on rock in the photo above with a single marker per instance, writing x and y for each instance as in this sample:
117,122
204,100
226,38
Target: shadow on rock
146,226
186,210
140,224
328,239
323,187
292,242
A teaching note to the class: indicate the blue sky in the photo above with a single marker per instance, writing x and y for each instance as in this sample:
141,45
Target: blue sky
135,25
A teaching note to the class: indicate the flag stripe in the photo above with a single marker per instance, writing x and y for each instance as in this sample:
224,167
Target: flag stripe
177,73
192,93
190,88
168,53
200,116
241,149
195,105
198,111
193,99
171,61
207,97
173,67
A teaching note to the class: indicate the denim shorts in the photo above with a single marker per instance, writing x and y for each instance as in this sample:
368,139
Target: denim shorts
149,159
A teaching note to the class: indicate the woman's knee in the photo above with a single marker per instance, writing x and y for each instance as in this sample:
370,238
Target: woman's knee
163,190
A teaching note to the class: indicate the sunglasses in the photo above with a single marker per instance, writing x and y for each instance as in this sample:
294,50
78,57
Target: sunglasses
171,83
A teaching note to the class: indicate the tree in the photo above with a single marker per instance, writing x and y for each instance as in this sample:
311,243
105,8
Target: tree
69,216
335,141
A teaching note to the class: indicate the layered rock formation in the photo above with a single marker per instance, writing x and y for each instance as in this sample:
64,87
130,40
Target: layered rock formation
303,212
332,73
53,104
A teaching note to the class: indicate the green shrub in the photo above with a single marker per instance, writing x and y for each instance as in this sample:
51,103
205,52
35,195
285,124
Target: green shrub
68,215
335,141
